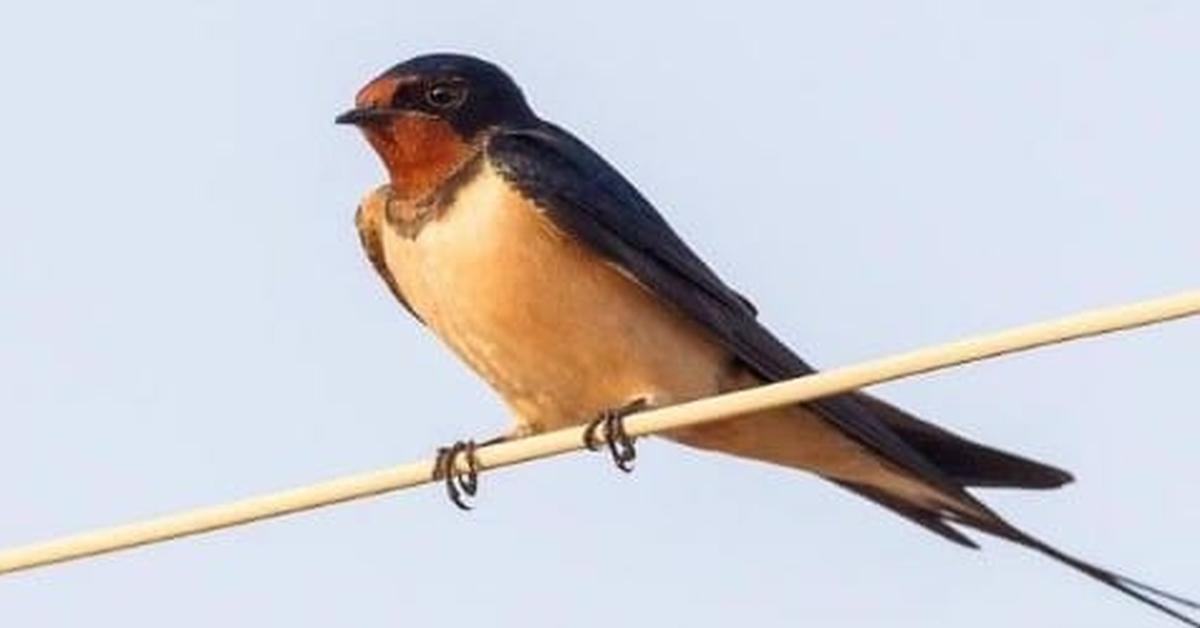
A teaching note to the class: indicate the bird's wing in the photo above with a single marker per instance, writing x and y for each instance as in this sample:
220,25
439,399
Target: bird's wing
586,197
369,221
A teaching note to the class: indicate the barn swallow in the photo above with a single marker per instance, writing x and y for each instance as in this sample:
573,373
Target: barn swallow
553,278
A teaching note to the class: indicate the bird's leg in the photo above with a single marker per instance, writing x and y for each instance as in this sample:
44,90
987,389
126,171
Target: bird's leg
620,443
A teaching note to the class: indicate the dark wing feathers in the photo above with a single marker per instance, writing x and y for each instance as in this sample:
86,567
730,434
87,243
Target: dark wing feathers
969,463
372,243
589,199
594,202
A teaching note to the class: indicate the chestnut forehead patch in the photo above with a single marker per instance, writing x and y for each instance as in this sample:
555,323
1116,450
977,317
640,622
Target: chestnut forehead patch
378,93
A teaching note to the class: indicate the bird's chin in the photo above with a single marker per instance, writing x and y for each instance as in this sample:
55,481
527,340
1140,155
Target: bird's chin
386,146
419,152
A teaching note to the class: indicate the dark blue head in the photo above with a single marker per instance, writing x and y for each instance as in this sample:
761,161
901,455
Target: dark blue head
470,94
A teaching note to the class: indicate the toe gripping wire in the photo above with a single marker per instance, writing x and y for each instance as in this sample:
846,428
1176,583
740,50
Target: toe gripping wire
620,443
462,484
458,483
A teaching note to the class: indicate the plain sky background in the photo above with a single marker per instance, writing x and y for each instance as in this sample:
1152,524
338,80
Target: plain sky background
186,317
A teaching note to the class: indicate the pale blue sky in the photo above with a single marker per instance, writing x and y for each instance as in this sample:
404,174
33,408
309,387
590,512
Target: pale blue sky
186,318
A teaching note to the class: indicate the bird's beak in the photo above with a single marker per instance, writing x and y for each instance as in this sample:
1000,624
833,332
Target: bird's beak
364,115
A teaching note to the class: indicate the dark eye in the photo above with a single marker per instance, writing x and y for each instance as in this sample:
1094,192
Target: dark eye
446,95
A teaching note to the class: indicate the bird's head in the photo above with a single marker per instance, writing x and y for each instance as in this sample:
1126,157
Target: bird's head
425,117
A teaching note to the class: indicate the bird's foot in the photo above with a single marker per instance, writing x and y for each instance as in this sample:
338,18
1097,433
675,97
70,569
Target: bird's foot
461,483
458,482
620,443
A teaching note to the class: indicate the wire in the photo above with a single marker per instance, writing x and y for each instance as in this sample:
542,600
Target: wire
562,441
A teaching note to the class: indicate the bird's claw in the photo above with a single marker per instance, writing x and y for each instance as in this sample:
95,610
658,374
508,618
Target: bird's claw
458,483
620,443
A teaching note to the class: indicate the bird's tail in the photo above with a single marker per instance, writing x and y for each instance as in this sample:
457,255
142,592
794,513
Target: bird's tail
797,437
943,522
972,464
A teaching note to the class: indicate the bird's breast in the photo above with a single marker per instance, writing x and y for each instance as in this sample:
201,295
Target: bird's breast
560,333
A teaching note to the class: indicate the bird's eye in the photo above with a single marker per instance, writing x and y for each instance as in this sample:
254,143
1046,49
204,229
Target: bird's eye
446,95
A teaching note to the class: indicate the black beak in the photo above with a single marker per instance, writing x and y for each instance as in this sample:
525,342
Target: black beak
368,115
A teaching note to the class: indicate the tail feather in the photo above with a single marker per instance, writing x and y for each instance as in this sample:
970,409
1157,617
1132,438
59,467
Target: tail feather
928,519
1144,593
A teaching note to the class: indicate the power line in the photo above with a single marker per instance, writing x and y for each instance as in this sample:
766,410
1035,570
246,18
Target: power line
706,410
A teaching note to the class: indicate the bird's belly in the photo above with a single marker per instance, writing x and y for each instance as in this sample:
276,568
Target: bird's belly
558,332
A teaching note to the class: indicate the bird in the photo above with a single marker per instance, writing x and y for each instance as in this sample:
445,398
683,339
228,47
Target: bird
553,278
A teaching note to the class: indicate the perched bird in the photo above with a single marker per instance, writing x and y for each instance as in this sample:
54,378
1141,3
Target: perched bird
551,276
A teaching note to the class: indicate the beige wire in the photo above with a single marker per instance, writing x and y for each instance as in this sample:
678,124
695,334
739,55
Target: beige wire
570,439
